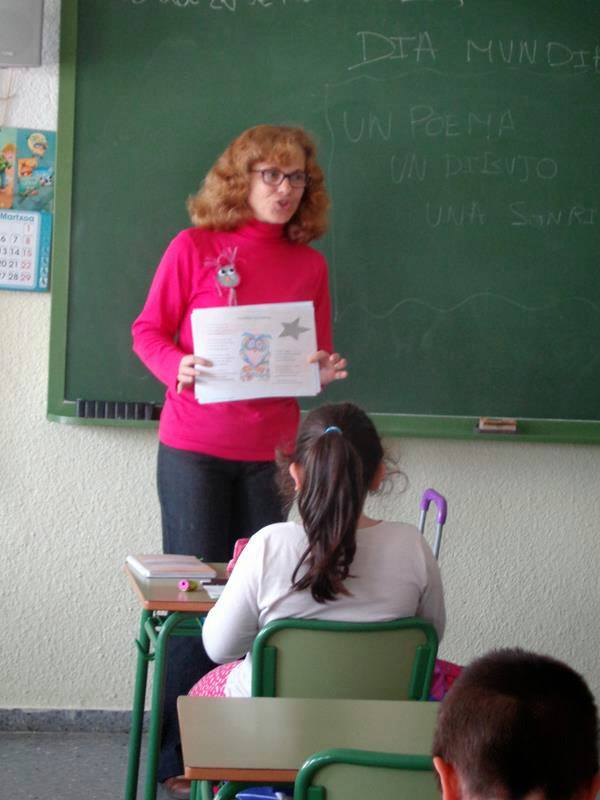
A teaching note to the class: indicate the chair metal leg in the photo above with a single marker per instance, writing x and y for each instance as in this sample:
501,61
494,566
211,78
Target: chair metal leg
229,790
137,711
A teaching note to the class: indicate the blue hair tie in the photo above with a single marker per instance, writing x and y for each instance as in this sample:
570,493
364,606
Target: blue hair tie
332,429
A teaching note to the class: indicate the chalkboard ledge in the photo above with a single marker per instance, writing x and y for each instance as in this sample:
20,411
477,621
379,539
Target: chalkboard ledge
104,412
112,423
399,426
528,430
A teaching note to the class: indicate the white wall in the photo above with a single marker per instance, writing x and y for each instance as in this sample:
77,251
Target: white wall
519,559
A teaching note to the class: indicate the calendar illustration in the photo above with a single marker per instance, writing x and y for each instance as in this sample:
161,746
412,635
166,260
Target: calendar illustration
27,158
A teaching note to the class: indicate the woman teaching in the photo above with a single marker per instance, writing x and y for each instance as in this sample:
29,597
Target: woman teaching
260,205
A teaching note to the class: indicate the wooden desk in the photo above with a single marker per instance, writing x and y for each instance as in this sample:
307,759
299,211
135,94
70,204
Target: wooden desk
162,594
165,611
266,739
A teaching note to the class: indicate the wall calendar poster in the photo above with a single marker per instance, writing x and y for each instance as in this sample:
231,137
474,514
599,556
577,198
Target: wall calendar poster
27,158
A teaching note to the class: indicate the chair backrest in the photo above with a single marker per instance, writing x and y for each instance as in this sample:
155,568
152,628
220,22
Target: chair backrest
363,660
361,774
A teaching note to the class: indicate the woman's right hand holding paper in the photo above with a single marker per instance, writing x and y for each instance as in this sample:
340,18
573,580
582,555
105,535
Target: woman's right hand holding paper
188,371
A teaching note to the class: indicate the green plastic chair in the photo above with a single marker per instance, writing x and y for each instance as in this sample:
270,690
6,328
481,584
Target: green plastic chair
349,660
346,660
361,774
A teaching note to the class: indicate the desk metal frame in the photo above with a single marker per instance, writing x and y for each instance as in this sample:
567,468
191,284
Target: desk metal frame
166,612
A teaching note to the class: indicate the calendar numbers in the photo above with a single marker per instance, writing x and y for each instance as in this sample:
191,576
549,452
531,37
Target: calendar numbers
24,249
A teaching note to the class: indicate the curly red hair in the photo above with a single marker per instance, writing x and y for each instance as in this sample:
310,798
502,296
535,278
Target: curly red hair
222,201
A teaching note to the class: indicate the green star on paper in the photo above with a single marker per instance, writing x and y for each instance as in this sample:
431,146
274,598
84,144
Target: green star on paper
293,329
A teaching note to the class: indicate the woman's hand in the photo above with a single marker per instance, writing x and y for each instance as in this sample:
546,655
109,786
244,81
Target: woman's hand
332,367
188,371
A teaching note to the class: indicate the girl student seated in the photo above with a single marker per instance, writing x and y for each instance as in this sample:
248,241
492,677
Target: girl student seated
337,564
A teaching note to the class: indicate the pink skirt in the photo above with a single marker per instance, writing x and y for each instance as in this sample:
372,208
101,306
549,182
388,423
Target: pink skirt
213,683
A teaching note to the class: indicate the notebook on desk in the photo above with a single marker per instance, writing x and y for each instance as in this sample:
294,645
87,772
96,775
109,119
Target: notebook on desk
163,565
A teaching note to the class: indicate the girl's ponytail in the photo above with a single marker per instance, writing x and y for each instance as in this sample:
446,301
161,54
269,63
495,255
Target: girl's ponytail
337,453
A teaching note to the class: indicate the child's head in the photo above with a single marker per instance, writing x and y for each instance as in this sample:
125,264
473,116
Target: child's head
517,725
337,459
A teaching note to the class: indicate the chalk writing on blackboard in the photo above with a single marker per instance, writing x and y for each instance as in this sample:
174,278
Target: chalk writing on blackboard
446,151
553,54
425,120
458,3
223,5
417,48
422,49
474,299
518,168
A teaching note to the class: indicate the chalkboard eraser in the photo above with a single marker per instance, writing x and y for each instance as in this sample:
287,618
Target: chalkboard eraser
496,425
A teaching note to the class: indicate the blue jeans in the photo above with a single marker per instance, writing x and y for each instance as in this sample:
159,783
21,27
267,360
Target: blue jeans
206,504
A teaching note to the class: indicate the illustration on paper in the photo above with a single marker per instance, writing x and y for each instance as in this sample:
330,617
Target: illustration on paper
255,352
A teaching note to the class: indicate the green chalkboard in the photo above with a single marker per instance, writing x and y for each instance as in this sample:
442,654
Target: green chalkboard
460,141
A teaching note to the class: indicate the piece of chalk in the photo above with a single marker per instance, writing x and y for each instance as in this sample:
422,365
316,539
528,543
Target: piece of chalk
188,586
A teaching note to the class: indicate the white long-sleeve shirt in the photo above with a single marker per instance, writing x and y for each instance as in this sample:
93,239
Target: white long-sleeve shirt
394,574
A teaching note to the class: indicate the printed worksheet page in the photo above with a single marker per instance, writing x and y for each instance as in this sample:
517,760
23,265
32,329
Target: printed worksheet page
256,351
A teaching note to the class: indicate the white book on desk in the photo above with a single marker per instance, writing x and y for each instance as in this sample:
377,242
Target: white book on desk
166,565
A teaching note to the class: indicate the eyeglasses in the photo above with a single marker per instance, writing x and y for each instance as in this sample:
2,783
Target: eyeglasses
275,177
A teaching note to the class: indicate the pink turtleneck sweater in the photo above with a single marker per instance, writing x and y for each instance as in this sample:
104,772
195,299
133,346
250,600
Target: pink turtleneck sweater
271,270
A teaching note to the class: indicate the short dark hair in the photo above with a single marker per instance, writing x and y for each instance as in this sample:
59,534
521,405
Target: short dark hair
515,722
